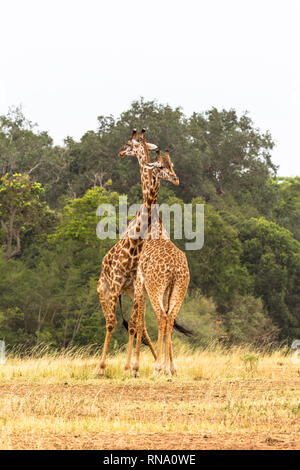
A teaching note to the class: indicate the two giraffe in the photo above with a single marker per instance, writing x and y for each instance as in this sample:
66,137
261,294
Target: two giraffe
119,265
145,261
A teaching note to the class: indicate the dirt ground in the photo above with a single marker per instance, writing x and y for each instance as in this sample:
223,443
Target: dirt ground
191,403
153,441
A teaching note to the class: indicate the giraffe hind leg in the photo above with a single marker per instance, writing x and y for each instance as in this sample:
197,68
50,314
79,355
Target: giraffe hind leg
176,299
156,296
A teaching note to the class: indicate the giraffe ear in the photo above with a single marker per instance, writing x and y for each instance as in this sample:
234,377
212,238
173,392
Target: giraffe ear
159,157
151,146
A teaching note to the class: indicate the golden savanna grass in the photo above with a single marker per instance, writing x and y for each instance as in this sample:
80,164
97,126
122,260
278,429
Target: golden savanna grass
220,399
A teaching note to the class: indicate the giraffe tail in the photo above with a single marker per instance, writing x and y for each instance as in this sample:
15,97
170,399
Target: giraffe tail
182,329
125,323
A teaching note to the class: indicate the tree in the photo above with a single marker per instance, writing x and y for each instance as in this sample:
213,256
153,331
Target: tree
272,257
248,322
91,163
287,210
248,269
216,269
79,220
25,149
21,148
22,211
235,156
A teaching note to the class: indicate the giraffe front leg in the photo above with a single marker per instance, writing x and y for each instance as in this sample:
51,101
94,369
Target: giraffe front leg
132,329
145,332
147,337
136,366
139,312
111,321
101,367
132,332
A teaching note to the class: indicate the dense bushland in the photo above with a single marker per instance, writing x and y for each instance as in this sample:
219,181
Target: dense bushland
244,281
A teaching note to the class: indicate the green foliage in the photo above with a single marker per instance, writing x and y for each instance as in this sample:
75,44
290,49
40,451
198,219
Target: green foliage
244,281
78,220
235,156
247,322
216,269
22,211
272,257
13,328
287,210
200,315
22,149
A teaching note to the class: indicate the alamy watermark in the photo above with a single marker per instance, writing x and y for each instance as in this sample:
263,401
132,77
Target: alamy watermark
187,221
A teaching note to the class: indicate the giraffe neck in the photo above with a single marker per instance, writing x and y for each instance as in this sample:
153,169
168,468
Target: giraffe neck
141,225
151,197
143,158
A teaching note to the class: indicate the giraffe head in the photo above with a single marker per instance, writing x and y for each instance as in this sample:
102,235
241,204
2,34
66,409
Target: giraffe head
136,145
163,168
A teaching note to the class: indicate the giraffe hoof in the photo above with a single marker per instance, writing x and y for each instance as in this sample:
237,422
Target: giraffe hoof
135,373
99,372
167,371
127,370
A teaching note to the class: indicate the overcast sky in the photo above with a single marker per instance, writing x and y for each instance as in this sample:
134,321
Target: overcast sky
68,61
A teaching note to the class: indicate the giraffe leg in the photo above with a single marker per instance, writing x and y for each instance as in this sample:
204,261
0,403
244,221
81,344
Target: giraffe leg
168,345
132,329
145,335
176,299
102,290
136,365
160,340
129,353
111,321
102,364
131,332
145,332
137,324
156,296
173,367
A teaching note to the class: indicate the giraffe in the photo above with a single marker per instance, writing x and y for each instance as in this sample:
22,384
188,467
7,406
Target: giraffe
163,274
119,265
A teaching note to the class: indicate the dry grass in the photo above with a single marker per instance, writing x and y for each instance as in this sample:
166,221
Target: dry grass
220,399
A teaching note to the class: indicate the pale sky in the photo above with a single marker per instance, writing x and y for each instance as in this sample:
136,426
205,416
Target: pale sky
68,61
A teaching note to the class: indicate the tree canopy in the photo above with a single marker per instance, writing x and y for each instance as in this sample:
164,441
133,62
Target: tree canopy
244,281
